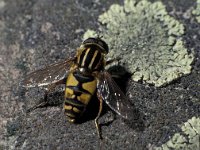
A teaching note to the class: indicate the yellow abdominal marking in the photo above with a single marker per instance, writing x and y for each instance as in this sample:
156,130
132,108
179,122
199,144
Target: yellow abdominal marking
90,86
71,81
69,93
70,115
76,110
84,98
68,107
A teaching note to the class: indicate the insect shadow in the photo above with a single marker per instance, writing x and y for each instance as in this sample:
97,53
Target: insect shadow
121,77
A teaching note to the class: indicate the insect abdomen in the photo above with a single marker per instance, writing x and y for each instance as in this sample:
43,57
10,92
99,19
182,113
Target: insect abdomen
79,91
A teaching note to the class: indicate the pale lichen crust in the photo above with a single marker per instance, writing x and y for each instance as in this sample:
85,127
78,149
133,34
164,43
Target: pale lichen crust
147,40
188,140
196,12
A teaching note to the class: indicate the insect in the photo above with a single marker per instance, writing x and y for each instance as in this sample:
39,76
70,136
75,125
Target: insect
83,75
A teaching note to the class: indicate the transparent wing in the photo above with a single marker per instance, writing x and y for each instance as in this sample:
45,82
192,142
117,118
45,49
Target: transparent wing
48,75
114,97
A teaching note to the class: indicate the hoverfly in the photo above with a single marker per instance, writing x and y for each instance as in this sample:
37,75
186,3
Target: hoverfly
83,75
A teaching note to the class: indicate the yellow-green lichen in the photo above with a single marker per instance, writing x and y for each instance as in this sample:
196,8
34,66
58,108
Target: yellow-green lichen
147,40
188,140
196,12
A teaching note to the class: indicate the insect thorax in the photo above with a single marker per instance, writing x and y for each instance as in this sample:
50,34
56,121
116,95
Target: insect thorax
90,58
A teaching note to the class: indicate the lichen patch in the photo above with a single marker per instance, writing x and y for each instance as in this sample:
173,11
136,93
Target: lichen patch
196,11
189,139
147,40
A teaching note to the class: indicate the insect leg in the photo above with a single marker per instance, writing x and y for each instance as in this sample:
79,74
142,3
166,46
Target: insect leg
50,88
98,115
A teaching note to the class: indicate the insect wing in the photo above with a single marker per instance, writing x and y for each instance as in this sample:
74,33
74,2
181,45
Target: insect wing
48,75
114,97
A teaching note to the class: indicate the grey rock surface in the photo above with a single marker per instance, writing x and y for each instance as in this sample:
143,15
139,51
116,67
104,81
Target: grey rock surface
36,33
